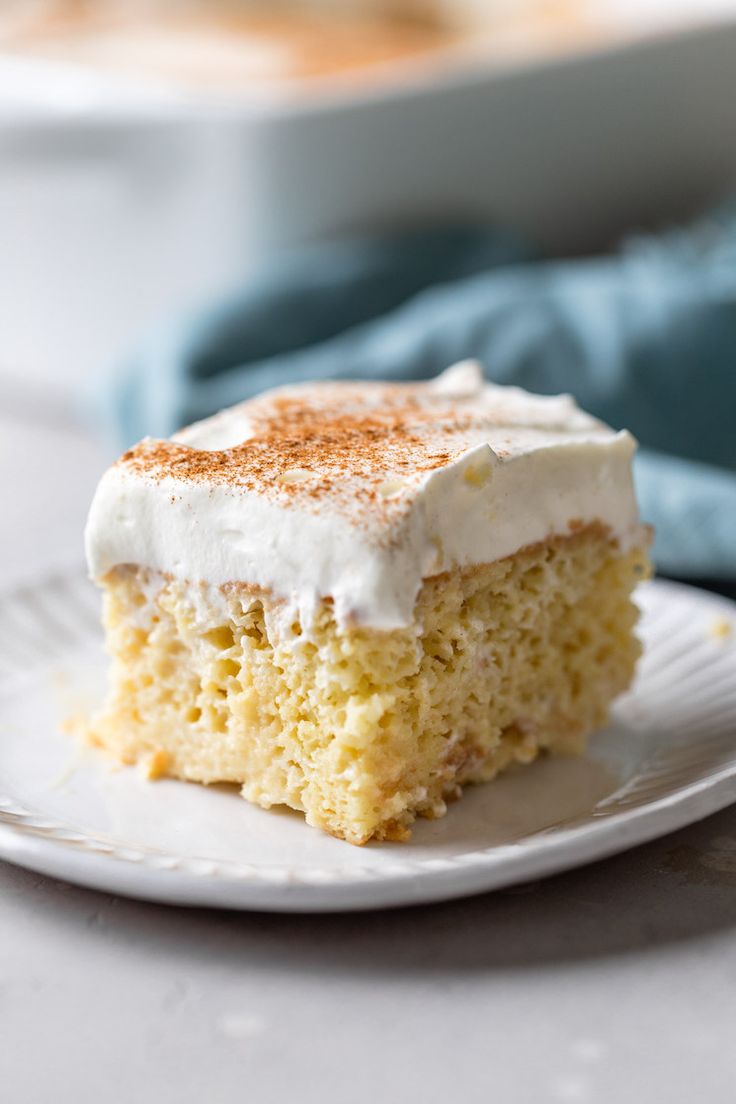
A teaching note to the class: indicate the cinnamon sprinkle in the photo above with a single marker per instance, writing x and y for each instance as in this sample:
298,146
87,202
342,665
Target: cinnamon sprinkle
364,444
307,446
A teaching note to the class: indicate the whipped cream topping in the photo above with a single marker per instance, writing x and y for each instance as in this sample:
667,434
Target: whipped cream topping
359,491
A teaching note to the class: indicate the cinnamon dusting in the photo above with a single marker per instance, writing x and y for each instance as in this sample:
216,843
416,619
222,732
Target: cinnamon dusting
353,444
309,445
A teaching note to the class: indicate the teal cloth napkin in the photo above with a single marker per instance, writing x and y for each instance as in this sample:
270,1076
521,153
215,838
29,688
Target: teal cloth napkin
644,338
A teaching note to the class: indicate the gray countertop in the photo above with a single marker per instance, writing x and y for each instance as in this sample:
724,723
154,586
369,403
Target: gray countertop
616,982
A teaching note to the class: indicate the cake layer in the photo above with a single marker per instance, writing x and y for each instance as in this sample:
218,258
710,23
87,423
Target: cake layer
360,728
357,492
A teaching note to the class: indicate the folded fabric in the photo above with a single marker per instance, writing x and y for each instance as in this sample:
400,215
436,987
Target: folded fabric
645,338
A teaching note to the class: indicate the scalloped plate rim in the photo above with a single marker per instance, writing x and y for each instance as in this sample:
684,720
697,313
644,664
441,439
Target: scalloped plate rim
153,874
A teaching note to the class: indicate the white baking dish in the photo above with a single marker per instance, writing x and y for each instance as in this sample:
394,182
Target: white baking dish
116,211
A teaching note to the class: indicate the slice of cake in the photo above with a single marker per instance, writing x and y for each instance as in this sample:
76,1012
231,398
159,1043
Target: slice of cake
353,598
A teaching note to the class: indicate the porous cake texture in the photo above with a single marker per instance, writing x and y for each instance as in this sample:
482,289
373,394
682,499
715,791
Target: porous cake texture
364,730
362,724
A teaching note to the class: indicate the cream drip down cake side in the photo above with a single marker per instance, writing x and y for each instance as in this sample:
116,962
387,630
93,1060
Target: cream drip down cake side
354,598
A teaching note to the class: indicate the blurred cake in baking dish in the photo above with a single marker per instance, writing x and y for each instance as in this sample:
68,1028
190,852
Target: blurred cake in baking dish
232,45
353,598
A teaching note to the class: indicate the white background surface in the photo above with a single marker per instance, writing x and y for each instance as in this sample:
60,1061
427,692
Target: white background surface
613,983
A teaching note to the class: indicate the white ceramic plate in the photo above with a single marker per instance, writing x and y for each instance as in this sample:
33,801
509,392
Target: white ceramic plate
668,758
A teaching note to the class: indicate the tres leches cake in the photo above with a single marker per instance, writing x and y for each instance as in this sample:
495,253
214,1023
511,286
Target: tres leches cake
353,598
